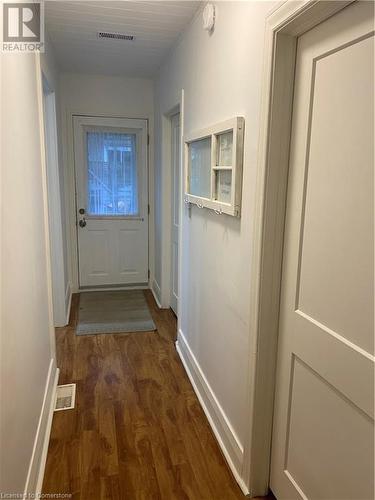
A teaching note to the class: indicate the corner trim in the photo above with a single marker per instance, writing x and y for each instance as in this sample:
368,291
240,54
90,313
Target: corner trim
221,427
68,302
34,480
156,292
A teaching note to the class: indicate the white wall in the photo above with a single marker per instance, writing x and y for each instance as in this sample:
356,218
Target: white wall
27,336
221,77
102,96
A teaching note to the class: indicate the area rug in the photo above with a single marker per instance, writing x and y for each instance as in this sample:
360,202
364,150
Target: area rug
113,312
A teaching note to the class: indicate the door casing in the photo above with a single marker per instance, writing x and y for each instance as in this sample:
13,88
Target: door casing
138,127
176,170
54,205
162,290
70,186
283,26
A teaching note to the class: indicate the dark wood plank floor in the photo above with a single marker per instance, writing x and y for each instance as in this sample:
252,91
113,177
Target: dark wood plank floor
138,431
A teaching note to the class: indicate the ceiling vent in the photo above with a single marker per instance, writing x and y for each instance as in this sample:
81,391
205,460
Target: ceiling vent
115,36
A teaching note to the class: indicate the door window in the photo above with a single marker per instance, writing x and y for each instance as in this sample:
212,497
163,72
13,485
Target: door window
112,176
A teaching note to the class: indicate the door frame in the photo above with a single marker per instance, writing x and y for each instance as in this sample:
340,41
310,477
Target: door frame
172,167
162,289
141,127
54,204
283,26
70,187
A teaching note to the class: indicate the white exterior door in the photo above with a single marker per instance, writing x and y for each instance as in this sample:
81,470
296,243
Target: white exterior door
175,157
111,200
323,436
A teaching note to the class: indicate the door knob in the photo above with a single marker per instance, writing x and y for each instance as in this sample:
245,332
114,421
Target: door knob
81,211
82,222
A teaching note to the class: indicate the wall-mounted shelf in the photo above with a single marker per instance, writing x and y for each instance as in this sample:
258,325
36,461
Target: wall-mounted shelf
213,167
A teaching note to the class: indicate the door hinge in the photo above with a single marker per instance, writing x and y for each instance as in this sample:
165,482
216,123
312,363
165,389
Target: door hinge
148,209
148,139
149,274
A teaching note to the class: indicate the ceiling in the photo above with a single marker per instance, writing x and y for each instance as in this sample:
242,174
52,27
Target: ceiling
156,25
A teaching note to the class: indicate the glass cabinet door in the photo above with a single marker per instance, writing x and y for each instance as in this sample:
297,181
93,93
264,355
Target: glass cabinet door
225,149
199,165
213,167
223,185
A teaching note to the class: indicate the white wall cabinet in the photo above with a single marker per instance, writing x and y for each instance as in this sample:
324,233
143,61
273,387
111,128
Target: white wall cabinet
213,167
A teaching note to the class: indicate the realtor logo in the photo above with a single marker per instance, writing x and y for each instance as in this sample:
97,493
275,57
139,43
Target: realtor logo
23,27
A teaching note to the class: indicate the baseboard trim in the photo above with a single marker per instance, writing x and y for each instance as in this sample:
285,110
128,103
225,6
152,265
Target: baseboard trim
221,427
35,473
43,458
68,302
156,292
113,288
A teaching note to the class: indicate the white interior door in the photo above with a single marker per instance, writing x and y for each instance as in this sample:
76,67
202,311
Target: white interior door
323,436
112,200
175,157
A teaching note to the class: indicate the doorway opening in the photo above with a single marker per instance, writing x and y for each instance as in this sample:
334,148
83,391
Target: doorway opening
54,205
171,180
111,186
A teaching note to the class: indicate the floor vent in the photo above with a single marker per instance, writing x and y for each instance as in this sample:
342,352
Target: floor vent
65,397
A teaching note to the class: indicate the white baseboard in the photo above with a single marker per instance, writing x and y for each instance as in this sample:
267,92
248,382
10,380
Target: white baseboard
68,302
35,473
156,292
224,433
109,288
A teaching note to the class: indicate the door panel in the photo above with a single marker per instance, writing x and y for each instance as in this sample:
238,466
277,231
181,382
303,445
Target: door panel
112,200
324,405
175,157
134,252
97,263
346,234
326,458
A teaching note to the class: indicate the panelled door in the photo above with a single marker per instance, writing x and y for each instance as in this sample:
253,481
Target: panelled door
111,200
323,436
175,160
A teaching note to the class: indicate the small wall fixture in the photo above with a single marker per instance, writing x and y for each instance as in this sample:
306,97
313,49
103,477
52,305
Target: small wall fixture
209,17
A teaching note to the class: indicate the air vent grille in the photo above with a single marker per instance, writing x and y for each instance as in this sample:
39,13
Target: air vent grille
115,36
65,397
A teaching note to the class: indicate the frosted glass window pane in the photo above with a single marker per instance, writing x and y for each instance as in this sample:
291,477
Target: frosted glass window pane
200,167
225,149
112,178
223,185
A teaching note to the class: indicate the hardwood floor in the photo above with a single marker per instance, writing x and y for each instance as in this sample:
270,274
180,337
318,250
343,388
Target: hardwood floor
138,431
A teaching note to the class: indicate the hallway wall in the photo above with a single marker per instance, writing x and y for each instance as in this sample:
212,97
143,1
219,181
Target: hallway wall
27,364
99,95
221,77
51,72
